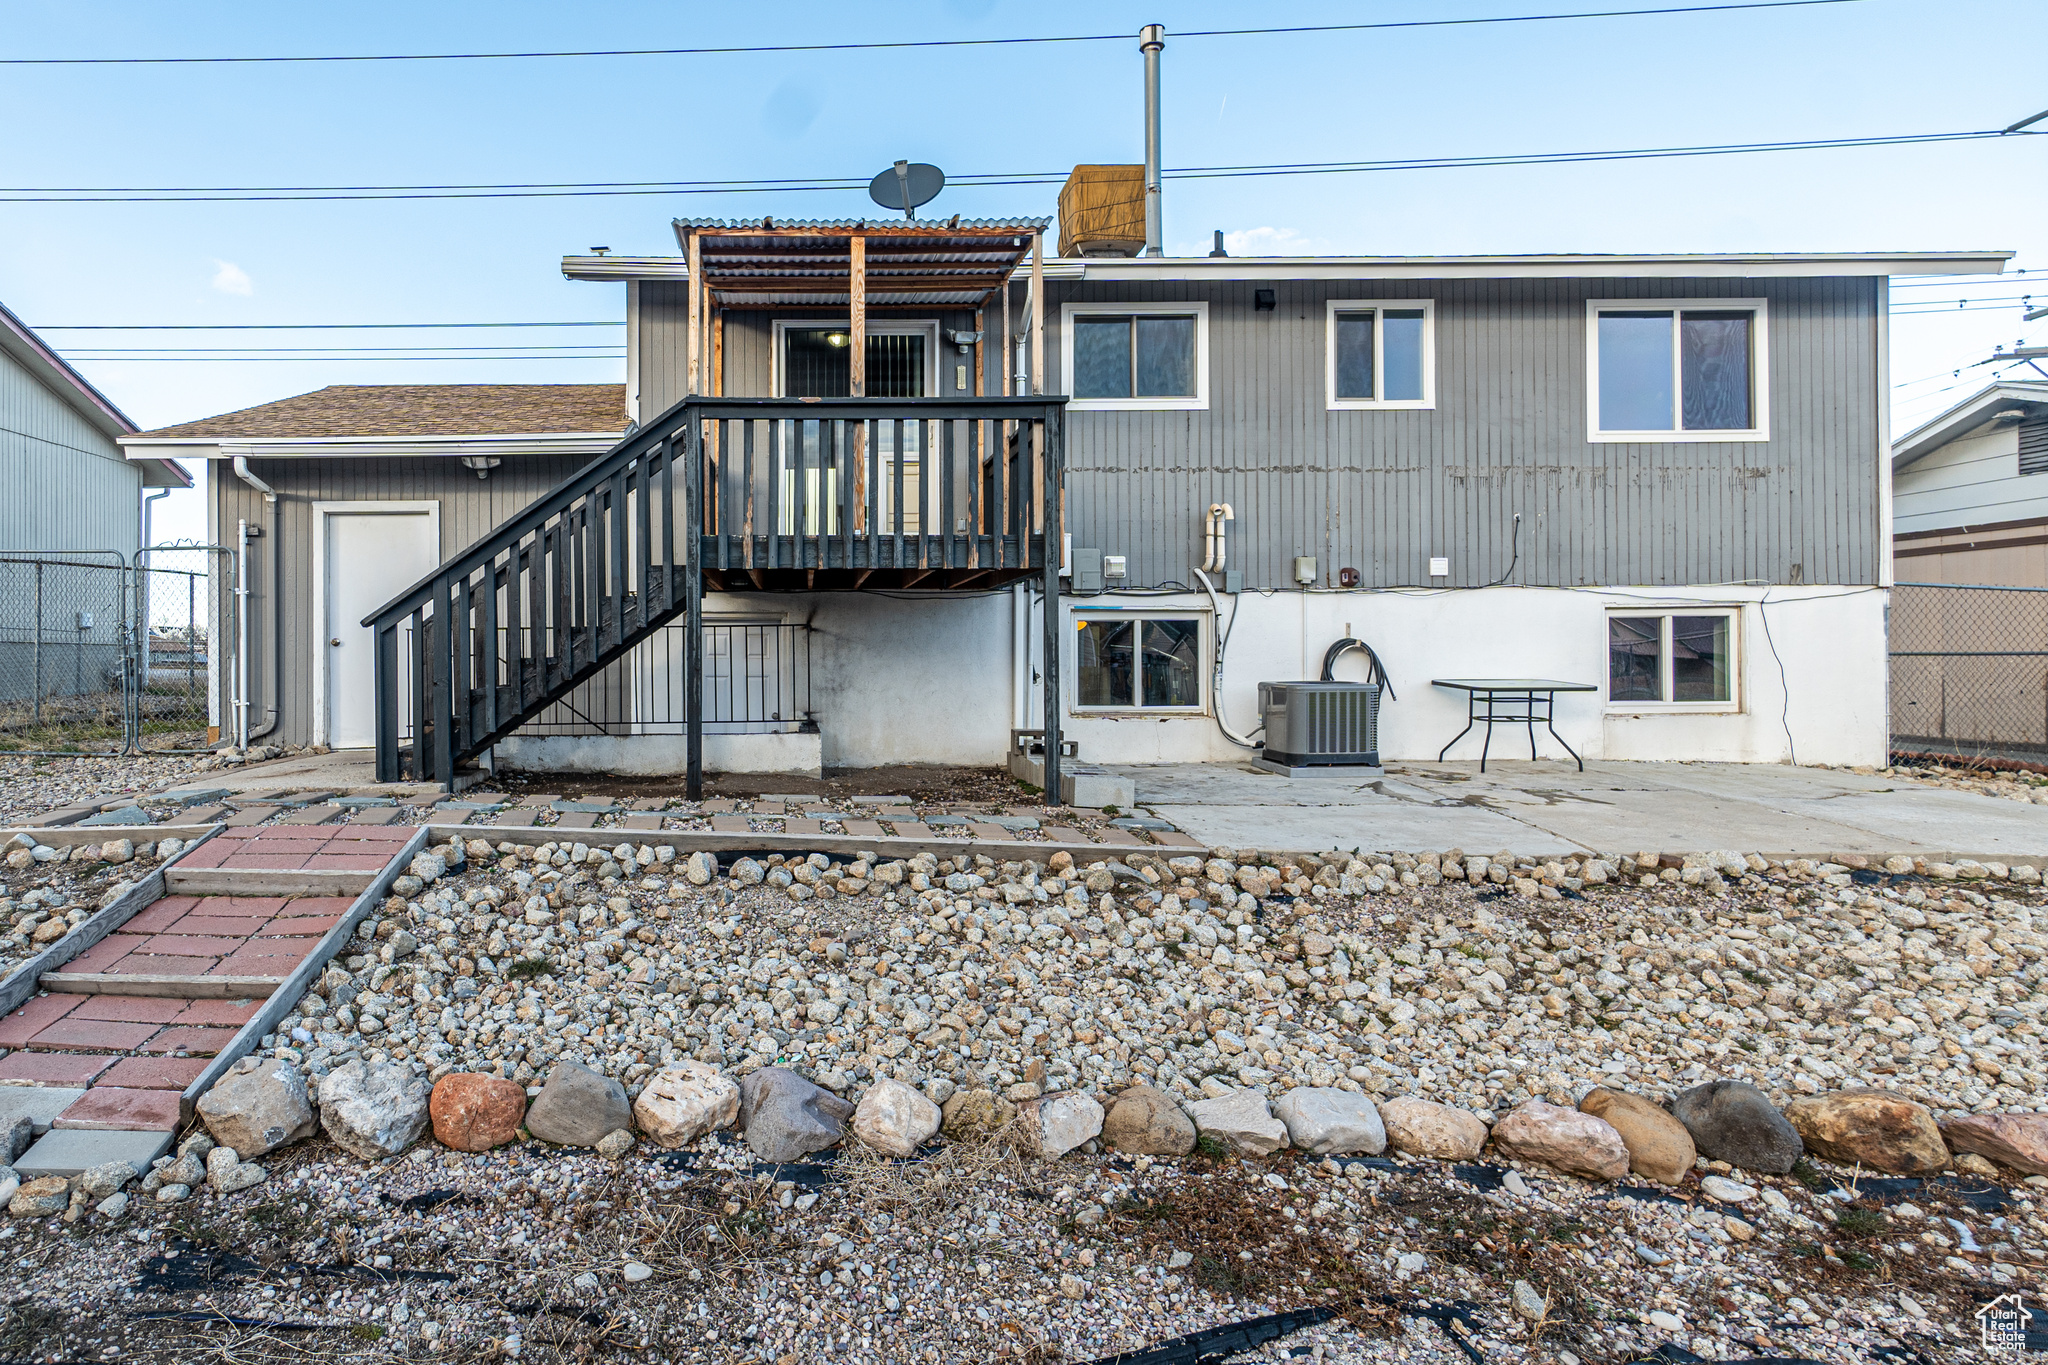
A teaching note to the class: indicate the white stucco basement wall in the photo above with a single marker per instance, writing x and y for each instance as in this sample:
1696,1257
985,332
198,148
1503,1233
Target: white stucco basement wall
1830,642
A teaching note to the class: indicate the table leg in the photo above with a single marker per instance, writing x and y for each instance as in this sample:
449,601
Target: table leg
1462,733
1560,739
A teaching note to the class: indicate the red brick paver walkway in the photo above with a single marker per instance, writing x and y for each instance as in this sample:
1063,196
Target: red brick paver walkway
138,1052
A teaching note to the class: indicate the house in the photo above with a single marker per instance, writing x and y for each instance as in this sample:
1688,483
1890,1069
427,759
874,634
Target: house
1665,476
71,522
361,489
69,488
1970,548
1970,491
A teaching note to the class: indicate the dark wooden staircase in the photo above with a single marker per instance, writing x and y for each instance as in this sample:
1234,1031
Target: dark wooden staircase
735,494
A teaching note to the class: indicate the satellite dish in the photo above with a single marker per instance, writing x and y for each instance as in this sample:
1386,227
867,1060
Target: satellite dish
906,185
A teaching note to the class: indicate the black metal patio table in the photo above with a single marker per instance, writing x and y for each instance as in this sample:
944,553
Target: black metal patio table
1515,701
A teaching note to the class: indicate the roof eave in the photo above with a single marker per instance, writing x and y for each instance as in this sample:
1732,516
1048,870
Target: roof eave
19,340
1964,418
1705,265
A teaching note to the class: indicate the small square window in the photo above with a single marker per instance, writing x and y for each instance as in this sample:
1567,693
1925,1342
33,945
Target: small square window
1382,354
1120,357
1124,662
1675,660
1686,370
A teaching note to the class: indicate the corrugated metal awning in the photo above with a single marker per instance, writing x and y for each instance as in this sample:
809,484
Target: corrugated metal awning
761,263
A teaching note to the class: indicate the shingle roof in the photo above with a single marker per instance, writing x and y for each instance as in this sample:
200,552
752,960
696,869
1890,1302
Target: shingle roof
419,410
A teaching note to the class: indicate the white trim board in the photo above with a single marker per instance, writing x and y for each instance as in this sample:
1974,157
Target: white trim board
321,511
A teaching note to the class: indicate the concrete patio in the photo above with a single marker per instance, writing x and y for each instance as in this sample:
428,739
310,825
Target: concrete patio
1550,807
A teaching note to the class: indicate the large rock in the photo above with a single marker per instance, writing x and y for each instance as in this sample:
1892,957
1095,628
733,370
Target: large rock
685,1100
1734,1122
41,1198
1326,1120
373,1110
1144,1121
1057,1124
1875,1128
973,1114
2018,1141
258,1106
1659,1148
1241,1122
474,1113
786,1118
893,1118
1562,1139
577,1107
1421,1127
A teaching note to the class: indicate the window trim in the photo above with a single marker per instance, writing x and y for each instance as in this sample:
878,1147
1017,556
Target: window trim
1205,625
1759,371
1199,310
1734,705
1332,402
928,330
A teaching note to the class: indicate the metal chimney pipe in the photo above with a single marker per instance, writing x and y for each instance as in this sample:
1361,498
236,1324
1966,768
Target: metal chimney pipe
1151,40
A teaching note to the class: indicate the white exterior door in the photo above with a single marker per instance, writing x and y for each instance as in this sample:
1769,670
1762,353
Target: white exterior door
368,557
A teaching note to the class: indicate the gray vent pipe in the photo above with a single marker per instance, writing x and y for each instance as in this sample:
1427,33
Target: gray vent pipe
1151,40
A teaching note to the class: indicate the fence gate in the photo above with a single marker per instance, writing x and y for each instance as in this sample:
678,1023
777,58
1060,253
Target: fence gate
101,655
1969,670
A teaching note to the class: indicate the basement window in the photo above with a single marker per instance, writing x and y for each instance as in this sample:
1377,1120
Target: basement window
1381,355
1677,370
1127,662
1120,357
1671,661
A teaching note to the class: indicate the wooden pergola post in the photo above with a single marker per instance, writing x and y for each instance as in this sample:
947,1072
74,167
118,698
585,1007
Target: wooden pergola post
857,367
1038,312
695,259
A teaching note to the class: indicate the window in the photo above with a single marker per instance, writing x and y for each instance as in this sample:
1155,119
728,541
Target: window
1671,660
1381,354
1124,662
817,360
1118,356
1677,370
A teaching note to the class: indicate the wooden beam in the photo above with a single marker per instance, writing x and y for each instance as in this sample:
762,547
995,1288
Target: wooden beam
861,576
759,582
718,352
916,577
857,304
1003,360
695,262
977,352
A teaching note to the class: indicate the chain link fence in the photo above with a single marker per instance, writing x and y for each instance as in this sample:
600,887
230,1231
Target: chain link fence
101,655
1969,670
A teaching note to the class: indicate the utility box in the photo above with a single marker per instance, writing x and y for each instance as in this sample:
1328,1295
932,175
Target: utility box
1102,211
1321,724
1087,570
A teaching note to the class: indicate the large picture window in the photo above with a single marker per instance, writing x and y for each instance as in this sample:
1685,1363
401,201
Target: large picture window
1124,356
1675,660
1381,354
1676,370
1124,662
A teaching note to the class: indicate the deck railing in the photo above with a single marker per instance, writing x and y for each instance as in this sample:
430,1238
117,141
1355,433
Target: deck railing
774,494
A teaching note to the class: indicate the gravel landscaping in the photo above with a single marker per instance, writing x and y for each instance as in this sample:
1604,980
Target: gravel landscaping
46,892
1444,1100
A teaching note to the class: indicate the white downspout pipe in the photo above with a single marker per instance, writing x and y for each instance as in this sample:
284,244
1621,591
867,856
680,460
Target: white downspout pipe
248,476
1020,656
242,634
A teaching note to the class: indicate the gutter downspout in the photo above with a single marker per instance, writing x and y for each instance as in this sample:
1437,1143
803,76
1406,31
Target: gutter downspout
274,681
142,583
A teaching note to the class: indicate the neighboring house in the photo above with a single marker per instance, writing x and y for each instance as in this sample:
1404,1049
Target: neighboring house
68,487
357,490
1970,491
1661,475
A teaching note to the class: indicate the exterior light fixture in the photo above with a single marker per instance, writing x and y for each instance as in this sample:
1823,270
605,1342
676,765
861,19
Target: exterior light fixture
837,339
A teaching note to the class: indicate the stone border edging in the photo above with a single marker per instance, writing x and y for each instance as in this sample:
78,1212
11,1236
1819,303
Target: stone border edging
286,995
261,881
71,836
21,983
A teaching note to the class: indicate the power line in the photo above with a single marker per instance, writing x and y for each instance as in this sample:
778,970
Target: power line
188,194
321,360
908,44
241,350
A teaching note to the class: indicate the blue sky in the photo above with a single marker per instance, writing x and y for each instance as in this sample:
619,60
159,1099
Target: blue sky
1872,68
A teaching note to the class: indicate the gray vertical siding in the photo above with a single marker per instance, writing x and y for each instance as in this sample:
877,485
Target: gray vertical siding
470,507
1382,491
67,487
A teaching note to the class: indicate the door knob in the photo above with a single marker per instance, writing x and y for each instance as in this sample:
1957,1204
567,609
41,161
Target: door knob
335,641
